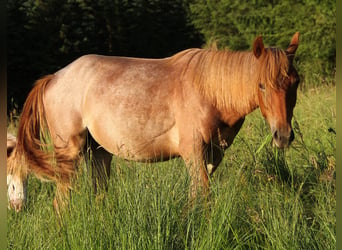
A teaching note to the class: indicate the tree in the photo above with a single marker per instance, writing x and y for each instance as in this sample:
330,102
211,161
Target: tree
235,24
44,36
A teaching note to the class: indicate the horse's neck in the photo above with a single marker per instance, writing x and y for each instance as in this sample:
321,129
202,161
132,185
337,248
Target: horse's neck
240,106
227,79
240,93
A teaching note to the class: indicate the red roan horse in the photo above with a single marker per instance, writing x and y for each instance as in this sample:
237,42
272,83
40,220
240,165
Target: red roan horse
190,105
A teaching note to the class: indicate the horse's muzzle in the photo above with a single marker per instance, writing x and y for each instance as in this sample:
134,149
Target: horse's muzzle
16,204
283,139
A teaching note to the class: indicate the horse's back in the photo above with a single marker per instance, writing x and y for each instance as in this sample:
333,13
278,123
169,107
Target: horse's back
125,103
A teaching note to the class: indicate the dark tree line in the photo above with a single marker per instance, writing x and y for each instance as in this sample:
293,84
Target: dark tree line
45,35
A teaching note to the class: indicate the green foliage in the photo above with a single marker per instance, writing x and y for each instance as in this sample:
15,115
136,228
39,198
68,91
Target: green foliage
235,24
261,198
44,36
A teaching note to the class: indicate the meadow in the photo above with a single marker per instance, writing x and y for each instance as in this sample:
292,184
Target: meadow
260,197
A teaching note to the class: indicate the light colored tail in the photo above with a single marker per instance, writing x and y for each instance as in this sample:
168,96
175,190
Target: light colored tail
33,137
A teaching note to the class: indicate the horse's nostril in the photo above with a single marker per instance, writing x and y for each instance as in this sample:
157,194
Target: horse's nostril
16,205
275,135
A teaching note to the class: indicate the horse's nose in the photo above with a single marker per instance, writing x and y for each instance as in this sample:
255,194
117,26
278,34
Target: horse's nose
282,139
17,204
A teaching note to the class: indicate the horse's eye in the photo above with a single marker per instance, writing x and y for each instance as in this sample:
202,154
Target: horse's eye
262,86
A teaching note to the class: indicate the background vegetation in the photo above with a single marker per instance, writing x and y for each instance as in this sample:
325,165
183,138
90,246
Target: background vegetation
44,36
235,24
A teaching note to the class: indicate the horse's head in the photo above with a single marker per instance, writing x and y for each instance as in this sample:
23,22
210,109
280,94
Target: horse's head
17,191
277,88
16,181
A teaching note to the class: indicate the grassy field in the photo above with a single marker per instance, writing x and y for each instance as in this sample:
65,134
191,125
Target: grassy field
261,198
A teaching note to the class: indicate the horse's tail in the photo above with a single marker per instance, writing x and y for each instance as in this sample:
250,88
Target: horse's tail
33,139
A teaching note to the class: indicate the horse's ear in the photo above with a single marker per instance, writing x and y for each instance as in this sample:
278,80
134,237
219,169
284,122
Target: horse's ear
291,50
258,47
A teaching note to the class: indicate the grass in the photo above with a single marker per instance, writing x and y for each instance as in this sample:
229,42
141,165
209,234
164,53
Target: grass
260,198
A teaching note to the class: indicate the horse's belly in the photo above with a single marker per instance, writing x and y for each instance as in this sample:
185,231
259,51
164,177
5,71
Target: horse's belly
137,144
147,151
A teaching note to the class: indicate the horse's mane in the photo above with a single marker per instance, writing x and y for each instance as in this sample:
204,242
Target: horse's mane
30,154
229,77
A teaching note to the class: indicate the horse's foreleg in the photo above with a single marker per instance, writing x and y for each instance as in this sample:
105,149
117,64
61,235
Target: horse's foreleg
223,139
197,170
199,178
213,157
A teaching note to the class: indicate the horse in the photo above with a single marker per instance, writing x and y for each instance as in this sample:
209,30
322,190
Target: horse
11,143
189,105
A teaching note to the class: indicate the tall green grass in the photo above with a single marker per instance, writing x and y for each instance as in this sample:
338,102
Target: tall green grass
260,197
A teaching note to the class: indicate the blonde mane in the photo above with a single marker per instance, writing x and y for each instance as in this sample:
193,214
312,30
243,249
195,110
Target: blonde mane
230,78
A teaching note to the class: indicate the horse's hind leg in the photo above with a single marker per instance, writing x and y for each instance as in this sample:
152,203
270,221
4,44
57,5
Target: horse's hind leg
67,157
100,162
